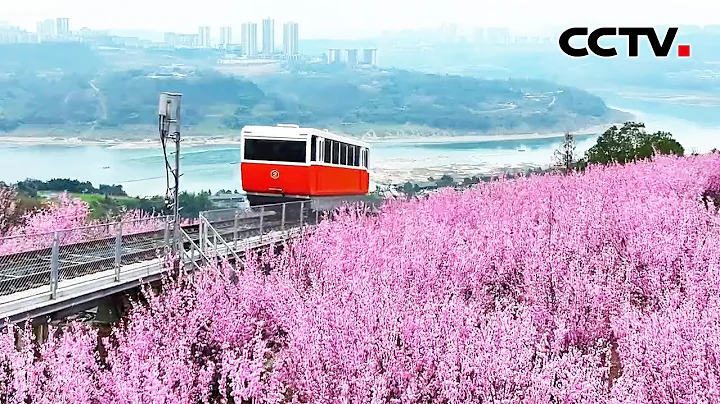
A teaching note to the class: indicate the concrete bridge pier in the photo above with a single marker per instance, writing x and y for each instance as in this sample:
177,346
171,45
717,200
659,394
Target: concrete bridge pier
40,331
109,311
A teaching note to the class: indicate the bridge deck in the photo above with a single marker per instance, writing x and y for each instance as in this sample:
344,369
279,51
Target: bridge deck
65,275
71,292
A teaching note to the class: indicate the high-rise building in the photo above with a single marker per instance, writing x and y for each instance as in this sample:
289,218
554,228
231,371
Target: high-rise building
351,57
249,39
225,36
334,56
369,57
63,26
290,39
45,30
204,37
268,36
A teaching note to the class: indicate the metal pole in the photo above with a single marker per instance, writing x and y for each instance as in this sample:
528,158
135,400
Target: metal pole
176,192
201,238
169,127
54,265
282,221
118,251
302,213
206,223
215,245
166,235
235,229
262,216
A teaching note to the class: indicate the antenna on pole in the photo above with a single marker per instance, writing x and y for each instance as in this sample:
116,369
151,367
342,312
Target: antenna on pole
169,128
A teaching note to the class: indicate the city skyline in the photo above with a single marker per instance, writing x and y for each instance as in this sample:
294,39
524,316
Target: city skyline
368,18
59,28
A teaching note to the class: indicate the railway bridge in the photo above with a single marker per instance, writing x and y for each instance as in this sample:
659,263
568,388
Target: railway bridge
54,274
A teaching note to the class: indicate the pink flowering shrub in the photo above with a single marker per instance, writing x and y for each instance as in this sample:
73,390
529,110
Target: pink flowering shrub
70,217
595,288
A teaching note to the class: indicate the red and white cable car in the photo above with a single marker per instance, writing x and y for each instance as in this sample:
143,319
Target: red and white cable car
289,162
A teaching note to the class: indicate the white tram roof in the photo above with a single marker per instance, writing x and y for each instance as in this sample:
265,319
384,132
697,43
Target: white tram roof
296,132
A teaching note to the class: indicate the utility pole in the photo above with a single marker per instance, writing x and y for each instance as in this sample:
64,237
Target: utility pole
169,128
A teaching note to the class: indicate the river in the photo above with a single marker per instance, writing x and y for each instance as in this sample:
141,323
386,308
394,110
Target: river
141,171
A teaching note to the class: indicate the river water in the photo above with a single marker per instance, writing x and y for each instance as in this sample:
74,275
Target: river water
141,171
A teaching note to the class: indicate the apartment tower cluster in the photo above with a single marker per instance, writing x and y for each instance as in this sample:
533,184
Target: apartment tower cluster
352,57
252,44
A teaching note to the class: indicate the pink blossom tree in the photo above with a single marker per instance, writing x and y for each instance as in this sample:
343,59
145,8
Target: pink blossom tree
600,287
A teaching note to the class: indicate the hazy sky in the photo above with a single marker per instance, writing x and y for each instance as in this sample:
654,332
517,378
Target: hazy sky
356,18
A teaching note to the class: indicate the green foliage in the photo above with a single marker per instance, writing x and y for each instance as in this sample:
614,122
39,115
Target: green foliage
192,204
31,187
631,143
109,200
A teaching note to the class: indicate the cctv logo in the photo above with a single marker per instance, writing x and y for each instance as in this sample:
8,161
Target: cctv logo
632,33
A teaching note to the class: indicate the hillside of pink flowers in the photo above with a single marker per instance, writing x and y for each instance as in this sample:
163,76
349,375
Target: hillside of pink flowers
595,288
71,218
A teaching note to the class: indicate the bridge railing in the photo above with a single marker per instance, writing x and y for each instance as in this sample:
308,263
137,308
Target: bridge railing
57,266
257,221
38,264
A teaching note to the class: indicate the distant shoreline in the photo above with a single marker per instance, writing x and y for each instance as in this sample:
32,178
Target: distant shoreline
234,141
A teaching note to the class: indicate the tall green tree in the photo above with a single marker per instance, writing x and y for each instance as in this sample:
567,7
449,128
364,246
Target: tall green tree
631,143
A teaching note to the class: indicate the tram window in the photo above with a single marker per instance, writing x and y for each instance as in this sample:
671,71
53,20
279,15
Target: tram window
343,153
357,155
367,156
289,151
313,146
336,152
351,155
328,144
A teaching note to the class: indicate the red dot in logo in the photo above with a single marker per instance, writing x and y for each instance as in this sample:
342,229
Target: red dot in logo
684,51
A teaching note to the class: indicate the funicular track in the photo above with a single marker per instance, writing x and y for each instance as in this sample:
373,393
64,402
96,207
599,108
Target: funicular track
32,269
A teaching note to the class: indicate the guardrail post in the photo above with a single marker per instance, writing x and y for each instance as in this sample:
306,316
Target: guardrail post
262,217
166,235
201,233
235,229
118,251
215,245
317,216
282,220
205,224
54,265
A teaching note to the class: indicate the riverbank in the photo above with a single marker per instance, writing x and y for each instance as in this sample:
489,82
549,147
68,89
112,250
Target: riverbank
115,140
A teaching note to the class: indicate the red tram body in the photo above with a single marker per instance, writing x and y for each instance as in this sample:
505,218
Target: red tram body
300,163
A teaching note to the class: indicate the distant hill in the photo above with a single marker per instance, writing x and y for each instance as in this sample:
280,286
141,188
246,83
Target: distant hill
309,95
66,56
